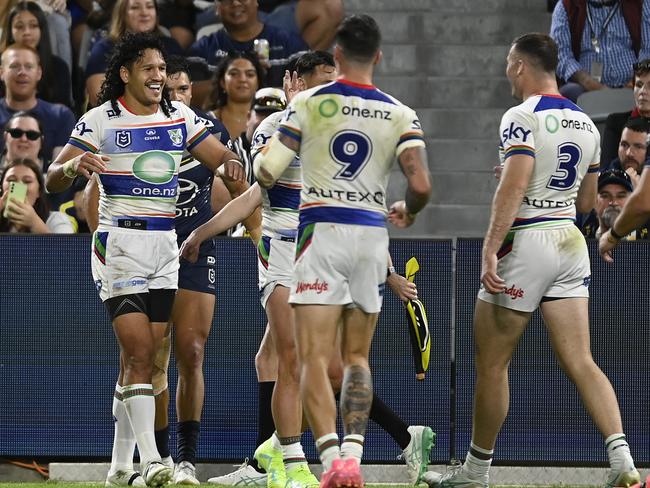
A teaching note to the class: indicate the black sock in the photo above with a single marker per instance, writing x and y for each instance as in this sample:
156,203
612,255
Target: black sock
162,441
265,424
388,420
188,440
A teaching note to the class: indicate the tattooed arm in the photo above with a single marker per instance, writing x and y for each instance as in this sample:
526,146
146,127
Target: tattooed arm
413,162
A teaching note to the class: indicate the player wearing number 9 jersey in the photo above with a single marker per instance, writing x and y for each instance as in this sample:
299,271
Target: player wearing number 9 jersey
534,256
347,134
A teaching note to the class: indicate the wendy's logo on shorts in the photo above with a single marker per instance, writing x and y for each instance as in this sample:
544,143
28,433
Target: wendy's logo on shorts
514,292
317,286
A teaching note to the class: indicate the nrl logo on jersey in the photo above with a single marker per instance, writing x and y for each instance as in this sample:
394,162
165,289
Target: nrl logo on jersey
176,136
123,138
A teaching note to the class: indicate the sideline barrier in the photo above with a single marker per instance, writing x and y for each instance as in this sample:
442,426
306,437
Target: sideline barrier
58,358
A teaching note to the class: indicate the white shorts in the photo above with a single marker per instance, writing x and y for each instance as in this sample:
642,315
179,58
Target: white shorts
551,263
274,265
340,264
126,261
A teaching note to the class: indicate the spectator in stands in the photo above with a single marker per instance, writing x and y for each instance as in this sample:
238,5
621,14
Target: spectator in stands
128,16
27,26
632,149
75,209
614,188
615,122
237,79
266,102
23,139
33,215
241,28
178,16
315,20
20,71
598,42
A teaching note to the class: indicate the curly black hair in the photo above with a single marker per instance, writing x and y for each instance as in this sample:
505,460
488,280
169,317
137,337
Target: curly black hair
126,52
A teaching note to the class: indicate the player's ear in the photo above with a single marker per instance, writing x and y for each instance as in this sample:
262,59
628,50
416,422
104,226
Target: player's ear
378,57
124,74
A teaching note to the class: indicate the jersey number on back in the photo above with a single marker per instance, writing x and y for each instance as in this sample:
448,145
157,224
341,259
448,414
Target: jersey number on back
352,150
569,156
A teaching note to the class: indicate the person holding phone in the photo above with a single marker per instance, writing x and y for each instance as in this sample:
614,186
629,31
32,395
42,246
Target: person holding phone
23,204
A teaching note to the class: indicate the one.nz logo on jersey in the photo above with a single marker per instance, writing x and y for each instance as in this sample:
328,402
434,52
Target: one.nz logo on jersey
156,167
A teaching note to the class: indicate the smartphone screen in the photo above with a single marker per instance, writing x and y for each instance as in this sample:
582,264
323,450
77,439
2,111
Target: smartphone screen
17,192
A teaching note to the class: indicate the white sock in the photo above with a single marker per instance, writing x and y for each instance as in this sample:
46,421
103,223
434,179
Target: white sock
328,449
352,447
275,441
141,408
476,468
618,452
292,453
123,439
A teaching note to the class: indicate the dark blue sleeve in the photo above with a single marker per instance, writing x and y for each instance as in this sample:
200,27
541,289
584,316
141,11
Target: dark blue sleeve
201,48
65,124
98,59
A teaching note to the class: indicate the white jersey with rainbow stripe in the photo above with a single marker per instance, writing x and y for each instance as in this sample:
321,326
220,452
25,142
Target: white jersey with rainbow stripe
279,203
140,185
565,144
350,136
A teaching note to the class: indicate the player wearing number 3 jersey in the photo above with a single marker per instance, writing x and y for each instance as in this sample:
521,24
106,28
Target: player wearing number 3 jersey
534,256
347,135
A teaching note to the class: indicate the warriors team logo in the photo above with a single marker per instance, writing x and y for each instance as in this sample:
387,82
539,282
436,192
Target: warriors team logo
123,138
155,167
176,136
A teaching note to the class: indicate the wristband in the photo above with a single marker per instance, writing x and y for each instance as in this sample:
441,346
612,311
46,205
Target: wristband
68,169
614,234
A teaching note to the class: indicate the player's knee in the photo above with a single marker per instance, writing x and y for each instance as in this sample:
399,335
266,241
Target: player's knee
190,355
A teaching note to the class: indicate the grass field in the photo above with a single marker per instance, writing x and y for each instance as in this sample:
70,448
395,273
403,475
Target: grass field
60,484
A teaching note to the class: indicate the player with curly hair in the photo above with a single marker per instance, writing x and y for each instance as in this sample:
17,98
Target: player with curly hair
133,144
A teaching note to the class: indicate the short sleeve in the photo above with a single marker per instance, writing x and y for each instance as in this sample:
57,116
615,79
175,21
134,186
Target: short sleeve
263,134
516,133
194,125
86,134
291,125
410,132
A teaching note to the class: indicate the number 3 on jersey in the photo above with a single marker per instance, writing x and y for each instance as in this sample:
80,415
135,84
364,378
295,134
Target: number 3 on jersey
569,156
352,150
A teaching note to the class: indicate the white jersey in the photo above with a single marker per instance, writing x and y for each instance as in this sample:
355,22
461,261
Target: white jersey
349,136
280,203
139,187
565,144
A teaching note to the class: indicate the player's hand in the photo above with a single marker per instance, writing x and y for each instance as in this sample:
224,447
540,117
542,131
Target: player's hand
399,215
403,288
88,163
57,5
492,282
190,247
290,85
606,245
233,170
498,169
